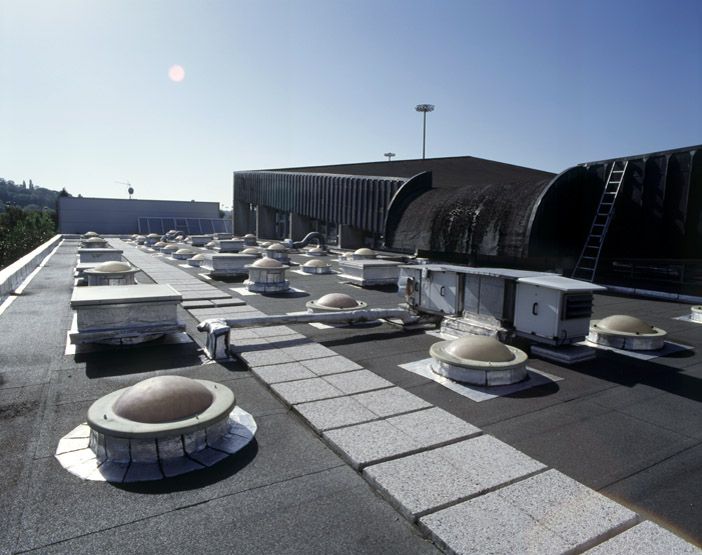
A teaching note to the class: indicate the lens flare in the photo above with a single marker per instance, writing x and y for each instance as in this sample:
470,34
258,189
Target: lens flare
176,73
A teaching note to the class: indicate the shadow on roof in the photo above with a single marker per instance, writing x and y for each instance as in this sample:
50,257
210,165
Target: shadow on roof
197,479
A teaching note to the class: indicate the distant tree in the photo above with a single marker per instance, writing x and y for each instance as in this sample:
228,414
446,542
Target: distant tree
21,232
64,193
21,195
24,184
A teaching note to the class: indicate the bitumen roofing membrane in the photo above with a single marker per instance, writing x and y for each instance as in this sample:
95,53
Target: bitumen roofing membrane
627,428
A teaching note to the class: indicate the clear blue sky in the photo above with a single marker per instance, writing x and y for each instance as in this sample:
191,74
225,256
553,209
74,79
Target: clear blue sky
85,97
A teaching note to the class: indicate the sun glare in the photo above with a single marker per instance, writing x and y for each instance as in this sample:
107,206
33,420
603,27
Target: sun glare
176,73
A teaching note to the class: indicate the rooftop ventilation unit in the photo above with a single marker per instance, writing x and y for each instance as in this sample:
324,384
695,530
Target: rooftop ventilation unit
545,307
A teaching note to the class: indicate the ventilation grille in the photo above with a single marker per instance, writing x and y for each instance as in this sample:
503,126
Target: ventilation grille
577,306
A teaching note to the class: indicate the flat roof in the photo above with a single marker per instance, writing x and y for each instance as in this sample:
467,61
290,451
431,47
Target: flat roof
626,427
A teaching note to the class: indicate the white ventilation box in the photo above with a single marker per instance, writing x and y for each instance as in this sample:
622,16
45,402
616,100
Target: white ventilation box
553,309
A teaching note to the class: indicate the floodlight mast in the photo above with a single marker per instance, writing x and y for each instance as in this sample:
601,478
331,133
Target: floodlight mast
389,155
424,108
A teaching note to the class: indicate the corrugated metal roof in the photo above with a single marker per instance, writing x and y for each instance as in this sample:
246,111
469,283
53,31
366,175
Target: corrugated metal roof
452,172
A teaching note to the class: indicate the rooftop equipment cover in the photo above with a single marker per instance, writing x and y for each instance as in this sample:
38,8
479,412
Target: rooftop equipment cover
113,267
268,263
123,294
561,283
276,247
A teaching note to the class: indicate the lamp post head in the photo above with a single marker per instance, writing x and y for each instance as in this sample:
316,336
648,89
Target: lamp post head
424,107
389,155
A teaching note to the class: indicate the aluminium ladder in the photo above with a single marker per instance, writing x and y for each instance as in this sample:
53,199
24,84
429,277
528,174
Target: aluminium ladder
590,255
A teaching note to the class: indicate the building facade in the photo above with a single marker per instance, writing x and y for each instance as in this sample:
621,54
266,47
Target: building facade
126,216
476,211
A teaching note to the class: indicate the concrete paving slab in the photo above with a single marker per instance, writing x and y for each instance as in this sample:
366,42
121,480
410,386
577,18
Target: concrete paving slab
221,312
571,510
333,413
330,365
374,442
308,351
547,513
303,391
264,357
431,480
193,295
202,303
251,344
194,285
236,334
285,372
388,402
488,525
275,331
357,381
646,538
283,341
228,302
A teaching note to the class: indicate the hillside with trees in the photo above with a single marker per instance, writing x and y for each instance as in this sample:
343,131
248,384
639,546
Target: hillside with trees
27,218
28,196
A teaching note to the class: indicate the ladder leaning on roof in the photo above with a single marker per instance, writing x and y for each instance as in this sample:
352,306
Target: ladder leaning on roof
590,256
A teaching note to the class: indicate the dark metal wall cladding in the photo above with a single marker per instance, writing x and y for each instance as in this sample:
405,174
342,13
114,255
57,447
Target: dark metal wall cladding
358,201
490,219
659,210
658,214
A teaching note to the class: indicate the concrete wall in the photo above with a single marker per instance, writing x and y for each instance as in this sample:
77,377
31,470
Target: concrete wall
104,215
13,276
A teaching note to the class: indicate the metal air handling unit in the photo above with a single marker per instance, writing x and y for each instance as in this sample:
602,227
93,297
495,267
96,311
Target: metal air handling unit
543,307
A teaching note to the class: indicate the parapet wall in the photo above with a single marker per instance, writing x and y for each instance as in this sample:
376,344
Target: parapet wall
12,276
